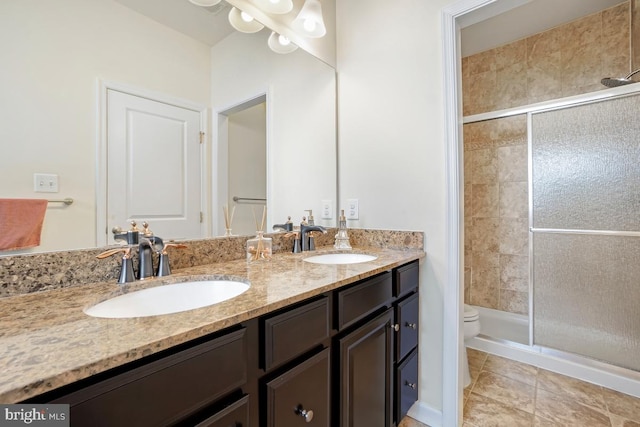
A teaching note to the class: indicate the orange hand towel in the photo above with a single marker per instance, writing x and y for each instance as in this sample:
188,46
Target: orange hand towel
21,223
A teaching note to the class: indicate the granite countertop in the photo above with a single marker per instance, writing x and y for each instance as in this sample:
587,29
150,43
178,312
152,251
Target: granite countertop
47,341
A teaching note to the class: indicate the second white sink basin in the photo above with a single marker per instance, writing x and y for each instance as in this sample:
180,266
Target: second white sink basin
341,258
168,299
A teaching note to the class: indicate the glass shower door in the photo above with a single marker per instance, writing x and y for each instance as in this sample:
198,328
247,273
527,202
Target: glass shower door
585,235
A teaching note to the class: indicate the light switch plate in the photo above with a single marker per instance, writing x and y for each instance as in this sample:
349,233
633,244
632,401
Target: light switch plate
327,209
45,183
352,209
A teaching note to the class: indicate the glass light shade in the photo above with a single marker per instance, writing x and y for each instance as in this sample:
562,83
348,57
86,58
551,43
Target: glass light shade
309,21
278,7
239,22
205,3
280,44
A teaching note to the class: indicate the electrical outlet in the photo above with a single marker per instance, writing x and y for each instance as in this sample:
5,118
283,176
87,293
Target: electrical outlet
327,209
352,209
45,183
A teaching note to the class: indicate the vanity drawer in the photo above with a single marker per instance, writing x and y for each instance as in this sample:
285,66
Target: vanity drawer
406,385
361,299
301,395
234,415
406,279
165,390
291,333
407,319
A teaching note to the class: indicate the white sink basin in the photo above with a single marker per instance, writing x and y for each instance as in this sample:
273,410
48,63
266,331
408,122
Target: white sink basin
342,258
168,299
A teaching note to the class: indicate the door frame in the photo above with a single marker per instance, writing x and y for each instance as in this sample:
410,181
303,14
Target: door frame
453,17
220,152
103,86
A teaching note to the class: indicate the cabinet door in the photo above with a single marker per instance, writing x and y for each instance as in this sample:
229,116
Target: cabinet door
301,395
366,363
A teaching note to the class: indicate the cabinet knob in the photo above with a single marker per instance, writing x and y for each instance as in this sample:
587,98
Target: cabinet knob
411,325
410,385
307,415
395,327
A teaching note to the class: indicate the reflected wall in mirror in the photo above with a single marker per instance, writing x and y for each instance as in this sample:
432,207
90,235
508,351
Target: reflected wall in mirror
56,53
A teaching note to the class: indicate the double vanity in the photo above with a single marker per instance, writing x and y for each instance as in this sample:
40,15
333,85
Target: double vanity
327,341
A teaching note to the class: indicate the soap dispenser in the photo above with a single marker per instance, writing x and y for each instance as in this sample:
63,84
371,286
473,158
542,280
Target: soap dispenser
342,239
311,221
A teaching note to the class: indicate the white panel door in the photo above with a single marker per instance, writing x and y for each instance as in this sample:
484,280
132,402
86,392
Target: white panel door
154,166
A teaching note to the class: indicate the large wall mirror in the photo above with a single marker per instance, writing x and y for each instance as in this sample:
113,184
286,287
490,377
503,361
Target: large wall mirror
59,55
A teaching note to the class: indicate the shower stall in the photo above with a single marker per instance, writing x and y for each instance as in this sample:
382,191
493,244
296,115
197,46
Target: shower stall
585,229
583,250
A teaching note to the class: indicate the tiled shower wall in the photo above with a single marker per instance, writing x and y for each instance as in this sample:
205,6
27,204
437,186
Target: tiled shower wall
566,60
496,214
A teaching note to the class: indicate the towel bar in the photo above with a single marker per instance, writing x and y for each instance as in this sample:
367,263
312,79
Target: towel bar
66,201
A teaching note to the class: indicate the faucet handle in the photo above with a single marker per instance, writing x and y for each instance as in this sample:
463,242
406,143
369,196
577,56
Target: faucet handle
134,226
126,272
145,229
163,264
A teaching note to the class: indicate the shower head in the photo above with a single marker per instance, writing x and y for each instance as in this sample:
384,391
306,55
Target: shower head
618,81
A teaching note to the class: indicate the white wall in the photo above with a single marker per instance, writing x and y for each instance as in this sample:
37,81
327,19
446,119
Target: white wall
301,147
391,143
248,165
52,55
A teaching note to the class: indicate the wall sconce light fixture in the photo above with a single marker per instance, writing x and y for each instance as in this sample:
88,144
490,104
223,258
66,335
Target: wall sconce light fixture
278,7
243,22
309,21
280,44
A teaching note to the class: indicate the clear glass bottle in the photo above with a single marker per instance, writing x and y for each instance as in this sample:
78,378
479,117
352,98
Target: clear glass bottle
342,238
259,247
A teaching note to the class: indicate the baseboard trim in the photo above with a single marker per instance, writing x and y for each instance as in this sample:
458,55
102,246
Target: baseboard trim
426,414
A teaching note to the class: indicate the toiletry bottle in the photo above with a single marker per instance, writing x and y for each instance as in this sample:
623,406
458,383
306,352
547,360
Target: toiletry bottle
342,239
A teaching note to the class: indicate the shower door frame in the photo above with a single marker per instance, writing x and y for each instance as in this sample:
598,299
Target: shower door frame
579,366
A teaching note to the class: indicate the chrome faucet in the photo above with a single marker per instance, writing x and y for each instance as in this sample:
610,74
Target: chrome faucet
147,244
306,244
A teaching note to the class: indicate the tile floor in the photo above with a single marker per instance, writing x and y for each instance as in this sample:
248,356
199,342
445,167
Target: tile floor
505,393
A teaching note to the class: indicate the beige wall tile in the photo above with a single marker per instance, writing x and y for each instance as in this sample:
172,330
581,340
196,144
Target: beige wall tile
512,163
485,235
468,200
514,272
482,89
514,201
484,260
485,201
510,90
510,54
482,62
484,166
467,285
514,236
583,31
485,290
514,301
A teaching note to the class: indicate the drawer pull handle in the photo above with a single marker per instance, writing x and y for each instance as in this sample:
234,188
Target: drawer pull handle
395,327
411,325
307,415
410,385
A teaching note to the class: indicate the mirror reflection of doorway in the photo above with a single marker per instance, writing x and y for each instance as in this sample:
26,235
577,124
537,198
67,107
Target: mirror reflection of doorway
247,164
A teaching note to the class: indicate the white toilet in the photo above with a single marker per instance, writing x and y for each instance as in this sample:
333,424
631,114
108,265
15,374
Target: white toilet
471,329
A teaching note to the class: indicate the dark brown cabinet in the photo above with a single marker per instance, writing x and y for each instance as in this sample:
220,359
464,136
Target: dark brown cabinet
365,374
345,358
301,396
